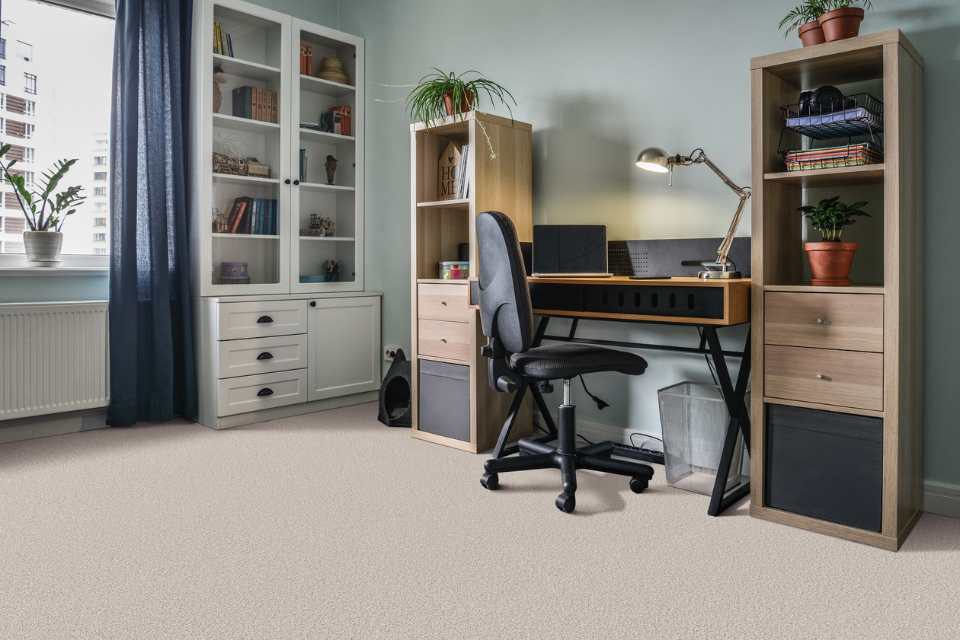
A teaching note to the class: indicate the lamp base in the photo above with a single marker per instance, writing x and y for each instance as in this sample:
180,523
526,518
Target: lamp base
720,275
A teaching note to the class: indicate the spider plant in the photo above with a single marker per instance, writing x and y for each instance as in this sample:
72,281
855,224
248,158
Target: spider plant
440,94
44,210
830,216
806,11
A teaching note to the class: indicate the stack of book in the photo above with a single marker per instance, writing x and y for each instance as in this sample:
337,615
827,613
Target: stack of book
257,103
847,155
256,216
306,59
464,170
222,42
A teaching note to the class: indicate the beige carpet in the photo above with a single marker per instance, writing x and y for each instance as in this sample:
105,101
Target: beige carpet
332,526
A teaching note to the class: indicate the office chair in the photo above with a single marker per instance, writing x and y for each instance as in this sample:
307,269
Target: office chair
516,365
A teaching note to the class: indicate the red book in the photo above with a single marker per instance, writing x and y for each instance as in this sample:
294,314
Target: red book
241,213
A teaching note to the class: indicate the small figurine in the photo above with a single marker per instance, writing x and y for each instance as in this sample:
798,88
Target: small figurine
219,77
220,221
331,270
331,167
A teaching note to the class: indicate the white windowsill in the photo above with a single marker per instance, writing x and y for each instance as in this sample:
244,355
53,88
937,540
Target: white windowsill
72,265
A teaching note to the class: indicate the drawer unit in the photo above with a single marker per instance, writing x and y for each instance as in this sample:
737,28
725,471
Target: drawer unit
444,391
260,319
824,376
824,320
448,302
263,391
262,355
445,340
824,465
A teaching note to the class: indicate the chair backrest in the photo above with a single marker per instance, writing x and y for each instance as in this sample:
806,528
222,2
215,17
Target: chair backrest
505,310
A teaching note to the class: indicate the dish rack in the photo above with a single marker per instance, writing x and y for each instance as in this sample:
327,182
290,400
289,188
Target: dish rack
857,117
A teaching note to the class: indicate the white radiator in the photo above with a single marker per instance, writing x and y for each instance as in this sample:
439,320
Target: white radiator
53,358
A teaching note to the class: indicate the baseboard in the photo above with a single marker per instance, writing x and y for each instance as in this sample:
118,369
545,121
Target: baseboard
52,425
941,498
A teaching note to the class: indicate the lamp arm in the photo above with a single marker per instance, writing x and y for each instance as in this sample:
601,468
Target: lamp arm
697,156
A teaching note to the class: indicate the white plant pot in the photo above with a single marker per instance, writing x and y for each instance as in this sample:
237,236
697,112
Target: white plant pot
43,247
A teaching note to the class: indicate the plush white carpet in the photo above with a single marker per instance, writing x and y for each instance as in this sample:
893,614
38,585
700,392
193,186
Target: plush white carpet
333,526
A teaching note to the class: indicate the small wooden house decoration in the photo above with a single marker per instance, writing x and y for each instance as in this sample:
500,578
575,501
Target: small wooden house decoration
447,172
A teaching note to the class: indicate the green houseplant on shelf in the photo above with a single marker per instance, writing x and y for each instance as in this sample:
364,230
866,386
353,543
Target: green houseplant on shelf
841,18
803,19
45,210
831,258
441,94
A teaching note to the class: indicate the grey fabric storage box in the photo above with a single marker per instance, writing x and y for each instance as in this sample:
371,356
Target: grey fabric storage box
825,465
444,399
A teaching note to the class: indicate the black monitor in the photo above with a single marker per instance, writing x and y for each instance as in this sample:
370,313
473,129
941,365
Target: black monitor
570,249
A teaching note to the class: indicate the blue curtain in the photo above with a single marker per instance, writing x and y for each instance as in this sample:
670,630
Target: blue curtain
152,370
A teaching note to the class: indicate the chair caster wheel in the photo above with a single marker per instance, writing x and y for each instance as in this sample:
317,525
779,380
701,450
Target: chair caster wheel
638,485
566,502
490,481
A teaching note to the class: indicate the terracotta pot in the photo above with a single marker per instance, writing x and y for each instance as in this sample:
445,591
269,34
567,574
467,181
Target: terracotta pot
811,33
840,24
466,103
830,262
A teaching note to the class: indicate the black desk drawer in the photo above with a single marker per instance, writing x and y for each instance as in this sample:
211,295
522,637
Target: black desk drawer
692,302
825,465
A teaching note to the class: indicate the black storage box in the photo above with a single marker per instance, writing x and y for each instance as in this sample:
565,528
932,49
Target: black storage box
825,465
444,399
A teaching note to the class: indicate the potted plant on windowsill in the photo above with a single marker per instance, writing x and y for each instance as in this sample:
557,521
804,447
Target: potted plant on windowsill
831,259
803,19
441,94
841,18
44,210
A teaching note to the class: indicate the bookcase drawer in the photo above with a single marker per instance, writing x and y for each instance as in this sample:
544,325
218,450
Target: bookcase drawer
824,320
444,302
825,376
262,355
445,340
259,319
265,391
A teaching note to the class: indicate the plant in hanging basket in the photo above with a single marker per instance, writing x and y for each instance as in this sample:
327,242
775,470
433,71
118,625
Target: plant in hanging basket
841,18
441,94
831,259
803,19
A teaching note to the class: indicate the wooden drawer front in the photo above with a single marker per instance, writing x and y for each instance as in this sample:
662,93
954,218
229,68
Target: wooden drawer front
444,302
262,355
446,340
259,319
824,320
265,391
825,376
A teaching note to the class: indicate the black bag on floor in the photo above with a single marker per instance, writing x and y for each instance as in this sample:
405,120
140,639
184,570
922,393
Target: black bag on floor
395,393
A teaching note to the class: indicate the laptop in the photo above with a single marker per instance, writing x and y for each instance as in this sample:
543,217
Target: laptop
570,250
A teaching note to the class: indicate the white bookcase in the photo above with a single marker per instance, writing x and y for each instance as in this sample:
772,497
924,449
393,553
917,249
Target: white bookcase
286,341
266,53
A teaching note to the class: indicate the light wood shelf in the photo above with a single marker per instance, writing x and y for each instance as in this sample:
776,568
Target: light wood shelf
809,288
829,177
459,203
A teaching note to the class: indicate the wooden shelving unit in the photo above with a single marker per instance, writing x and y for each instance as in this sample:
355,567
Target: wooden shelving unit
446,331
847,356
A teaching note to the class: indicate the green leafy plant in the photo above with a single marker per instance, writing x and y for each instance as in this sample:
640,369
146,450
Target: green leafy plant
830,216
830,5
806,11
429,100
44,210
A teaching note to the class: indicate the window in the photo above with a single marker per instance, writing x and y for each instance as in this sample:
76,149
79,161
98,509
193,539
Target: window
41,46
3,75
13,225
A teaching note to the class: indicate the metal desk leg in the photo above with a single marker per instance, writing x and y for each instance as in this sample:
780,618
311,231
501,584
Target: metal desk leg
739,423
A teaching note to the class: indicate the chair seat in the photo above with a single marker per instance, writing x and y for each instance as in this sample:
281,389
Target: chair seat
563,361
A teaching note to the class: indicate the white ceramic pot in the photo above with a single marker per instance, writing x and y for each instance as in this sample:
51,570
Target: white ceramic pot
43,247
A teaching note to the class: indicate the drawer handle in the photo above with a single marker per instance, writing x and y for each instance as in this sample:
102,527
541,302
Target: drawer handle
443,303
823,321
443,340
820,376
266,355
264,320
266,391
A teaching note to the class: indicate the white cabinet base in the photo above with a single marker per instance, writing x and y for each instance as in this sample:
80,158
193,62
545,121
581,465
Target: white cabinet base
241,419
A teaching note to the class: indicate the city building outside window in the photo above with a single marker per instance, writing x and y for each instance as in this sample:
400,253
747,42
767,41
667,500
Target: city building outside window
3,75
24,51
3,48
30,83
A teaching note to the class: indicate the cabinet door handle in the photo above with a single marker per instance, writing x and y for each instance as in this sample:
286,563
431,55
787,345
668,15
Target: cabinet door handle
266,391
443,303
287,181
443,340
296,182
820,376
266,355
823,321
313,303
264,320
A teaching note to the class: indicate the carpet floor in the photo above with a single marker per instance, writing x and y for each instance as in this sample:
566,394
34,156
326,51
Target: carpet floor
333,526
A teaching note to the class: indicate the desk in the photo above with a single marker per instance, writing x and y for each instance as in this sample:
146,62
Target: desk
703,304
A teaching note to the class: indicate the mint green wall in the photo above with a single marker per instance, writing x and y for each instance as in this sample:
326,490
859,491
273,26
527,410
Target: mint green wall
599,81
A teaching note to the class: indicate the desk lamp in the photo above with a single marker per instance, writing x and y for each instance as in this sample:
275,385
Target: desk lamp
657,161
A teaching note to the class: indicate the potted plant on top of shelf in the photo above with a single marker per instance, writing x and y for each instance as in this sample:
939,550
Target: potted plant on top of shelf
831,259
803,19
841,18
44,210
441,94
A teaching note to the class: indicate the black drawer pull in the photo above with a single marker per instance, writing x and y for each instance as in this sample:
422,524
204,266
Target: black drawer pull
266,391
266,355
264,320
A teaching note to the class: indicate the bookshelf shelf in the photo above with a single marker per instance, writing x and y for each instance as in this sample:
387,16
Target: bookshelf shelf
243,124
328,238
319,186
335,137
226,177
245,236
458,203
829,177
245,68
326,87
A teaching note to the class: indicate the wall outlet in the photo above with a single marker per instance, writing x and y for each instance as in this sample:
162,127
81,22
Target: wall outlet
390,352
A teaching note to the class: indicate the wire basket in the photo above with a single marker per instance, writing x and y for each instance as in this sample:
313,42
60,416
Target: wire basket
859,114
847,155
